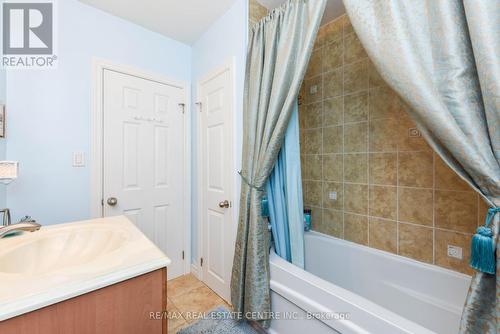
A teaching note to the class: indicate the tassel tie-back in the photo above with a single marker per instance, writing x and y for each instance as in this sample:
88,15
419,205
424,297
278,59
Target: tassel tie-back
249,183
264,202
483,246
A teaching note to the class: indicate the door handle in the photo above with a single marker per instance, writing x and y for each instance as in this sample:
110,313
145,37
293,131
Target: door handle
225,205
112,201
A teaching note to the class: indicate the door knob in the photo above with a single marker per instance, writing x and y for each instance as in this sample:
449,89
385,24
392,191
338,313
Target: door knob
112,201
225,204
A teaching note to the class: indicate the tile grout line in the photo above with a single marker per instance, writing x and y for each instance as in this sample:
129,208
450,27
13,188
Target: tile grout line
343,130
434,208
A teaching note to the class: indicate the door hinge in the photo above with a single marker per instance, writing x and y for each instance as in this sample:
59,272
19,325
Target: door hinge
201,262
199,105
102,201
183,255
183,106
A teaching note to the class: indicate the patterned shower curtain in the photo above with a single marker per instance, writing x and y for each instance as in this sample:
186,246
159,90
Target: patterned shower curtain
279,50
443,59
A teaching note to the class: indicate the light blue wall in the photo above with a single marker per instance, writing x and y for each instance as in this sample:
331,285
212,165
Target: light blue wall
3,94
49,111
226,39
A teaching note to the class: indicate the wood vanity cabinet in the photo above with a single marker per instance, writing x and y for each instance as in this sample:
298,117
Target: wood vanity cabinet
122,308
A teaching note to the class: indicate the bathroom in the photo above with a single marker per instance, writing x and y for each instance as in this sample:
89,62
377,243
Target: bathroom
160,163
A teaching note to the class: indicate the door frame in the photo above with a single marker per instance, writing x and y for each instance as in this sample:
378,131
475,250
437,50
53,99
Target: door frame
96,143
228,65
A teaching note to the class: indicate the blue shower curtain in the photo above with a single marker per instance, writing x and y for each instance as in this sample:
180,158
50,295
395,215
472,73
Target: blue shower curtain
284,194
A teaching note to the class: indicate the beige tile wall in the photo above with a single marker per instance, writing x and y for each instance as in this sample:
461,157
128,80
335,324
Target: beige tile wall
255,12
393,192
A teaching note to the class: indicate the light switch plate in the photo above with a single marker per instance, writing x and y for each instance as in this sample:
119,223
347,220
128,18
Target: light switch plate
313,89
78,159
333,195
455,251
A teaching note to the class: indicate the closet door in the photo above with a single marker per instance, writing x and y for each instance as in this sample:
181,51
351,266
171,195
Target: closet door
144,159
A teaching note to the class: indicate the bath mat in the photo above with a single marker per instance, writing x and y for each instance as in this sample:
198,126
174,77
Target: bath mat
218,321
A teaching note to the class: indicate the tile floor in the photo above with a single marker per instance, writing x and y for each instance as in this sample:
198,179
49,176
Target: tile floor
186,298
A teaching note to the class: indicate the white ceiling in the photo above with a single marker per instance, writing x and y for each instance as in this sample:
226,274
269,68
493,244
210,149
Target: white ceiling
184,20
334,8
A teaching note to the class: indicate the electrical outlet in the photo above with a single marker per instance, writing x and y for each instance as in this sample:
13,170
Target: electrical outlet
313,89
455,251
333,195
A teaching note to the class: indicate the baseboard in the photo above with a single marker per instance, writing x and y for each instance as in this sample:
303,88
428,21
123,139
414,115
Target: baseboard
195,271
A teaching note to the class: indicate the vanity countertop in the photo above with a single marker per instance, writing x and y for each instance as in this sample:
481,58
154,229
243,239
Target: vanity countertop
60,262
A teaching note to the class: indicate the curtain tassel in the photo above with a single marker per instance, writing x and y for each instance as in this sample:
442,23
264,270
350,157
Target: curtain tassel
483,246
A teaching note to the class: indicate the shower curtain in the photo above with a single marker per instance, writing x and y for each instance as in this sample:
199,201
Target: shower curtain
284,193
443,59
279,50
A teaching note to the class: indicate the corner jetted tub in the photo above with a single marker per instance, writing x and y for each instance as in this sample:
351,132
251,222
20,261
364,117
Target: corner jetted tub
348,288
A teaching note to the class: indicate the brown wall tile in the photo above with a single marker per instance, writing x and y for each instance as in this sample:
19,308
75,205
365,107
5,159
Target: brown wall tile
333,83
332,139
375,80
356,107
356,168
316,217
416,205
313,89
312,141
333,167
315,63
447,179
456,210
383,168
416,242
356,198
354,51
347,25
356,77
332,223
312,115
356,137
359,141
333,30
406,142
384,135
338,203
320,39
312,167
356,228
383,202
483,207
334,54
384,103
445,238
313,193
415,169
383,234
333,112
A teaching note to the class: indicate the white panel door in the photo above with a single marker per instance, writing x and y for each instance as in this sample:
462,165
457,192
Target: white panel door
144,160
216,175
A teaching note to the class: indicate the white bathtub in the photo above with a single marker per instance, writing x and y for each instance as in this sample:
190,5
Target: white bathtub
381,293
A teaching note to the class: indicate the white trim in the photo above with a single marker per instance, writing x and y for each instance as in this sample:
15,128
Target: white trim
96,149
228,65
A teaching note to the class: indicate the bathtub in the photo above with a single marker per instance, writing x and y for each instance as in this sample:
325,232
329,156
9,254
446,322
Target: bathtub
349,288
